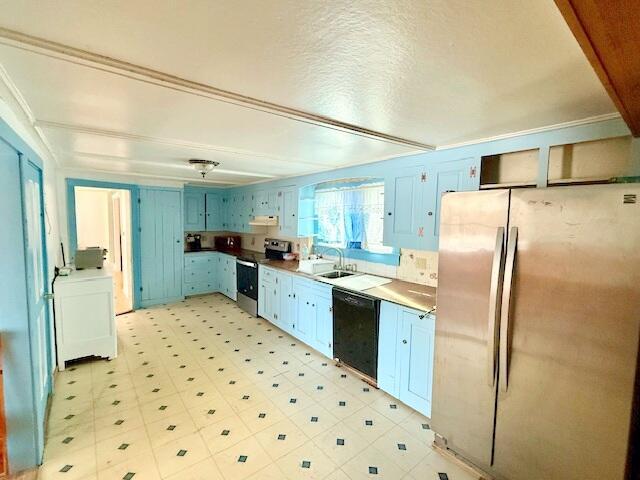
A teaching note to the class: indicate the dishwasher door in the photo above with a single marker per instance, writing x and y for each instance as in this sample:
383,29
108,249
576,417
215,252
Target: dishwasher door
355,330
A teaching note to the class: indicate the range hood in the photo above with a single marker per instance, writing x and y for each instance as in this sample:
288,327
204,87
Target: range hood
264,221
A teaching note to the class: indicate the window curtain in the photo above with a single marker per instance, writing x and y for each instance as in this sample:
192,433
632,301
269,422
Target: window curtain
350,217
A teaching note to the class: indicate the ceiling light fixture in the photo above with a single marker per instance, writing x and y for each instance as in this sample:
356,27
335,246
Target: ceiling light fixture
203,166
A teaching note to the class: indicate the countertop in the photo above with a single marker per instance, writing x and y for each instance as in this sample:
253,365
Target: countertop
419,297
85,274
413,295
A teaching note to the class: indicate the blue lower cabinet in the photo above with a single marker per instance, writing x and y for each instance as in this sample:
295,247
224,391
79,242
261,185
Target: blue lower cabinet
388,365
267,294
405,355
416,359
323,340
314,315
227,276
304,326
287,301
200,273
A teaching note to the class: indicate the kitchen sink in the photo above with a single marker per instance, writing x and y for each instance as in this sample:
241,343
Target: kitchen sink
336,274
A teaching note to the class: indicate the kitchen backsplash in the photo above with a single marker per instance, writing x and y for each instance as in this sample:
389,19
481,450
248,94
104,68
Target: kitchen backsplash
416,266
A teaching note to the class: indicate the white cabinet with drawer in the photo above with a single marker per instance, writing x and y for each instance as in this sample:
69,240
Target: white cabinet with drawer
84,315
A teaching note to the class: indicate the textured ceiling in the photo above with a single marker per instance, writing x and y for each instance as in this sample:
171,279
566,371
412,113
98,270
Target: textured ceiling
438,72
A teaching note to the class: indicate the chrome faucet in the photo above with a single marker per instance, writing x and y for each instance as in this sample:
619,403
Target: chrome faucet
340,256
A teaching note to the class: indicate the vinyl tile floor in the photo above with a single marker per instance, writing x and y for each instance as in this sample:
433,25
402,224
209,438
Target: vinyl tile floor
201,390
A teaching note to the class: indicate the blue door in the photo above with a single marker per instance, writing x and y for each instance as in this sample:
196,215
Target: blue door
36,272
161,239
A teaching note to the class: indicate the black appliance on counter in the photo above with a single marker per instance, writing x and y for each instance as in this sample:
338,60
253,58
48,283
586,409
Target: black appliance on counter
355,331
247,272
193,242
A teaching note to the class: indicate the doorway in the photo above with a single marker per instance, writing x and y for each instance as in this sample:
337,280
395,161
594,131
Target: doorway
103,219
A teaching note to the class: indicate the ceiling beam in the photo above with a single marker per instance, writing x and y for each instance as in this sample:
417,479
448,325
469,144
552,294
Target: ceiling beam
137,72
608,31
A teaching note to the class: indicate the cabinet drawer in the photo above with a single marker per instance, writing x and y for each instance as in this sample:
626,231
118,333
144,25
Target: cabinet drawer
198,275
268,274
198,288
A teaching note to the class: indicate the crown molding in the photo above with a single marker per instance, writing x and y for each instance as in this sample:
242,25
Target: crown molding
28,114
573,123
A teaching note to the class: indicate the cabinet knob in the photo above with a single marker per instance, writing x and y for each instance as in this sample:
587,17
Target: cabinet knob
404,341
389,213
430,213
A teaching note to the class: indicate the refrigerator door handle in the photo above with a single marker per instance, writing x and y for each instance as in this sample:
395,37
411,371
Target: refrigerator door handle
497,273
505,308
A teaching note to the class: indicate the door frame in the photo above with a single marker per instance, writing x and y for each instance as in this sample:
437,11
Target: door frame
134,191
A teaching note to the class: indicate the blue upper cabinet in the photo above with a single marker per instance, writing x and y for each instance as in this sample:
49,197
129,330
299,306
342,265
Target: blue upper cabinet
413,197
287,211
194,209
213,215
456,176
403,198
265,202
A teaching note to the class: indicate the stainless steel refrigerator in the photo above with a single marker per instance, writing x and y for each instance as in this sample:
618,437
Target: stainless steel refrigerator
537,330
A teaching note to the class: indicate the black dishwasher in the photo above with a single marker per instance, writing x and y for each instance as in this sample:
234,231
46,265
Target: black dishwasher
355,330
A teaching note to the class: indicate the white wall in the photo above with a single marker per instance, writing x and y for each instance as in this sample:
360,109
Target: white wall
93,217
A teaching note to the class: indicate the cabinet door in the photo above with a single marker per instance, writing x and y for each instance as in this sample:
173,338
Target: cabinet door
323,341
260,201
403,200
306,314
287,314
213,216
416,364
230,285
162,256
287,209
388,380
456,176
271,202
265,299
194,211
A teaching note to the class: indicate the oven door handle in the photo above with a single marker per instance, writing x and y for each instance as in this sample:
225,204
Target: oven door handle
247,264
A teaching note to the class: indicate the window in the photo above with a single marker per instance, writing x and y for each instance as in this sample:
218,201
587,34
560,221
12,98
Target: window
351,215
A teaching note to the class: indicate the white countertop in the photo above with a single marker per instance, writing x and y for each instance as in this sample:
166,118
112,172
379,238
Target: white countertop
86,274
